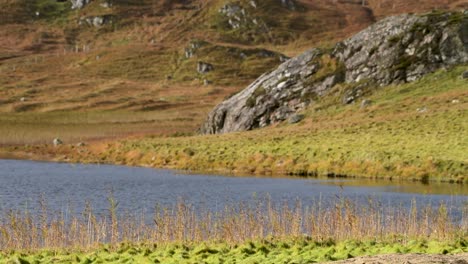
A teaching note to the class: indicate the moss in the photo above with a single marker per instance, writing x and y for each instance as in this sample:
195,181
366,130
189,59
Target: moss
373,50
252,100
404,62
457,18
395,39
328,66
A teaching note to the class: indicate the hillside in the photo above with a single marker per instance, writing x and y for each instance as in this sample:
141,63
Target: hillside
65,72
132,81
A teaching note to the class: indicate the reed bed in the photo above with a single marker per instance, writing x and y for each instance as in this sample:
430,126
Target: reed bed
241,223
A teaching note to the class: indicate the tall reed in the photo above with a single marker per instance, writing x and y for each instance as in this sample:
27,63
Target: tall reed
183,223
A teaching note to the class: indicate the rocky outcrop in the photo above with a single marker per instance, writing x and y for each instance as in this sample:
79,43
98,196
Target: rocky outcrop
237,17
397,49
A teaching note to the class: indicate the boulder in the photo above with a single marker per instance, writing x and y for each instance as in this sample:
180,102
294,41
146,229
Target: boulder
397,49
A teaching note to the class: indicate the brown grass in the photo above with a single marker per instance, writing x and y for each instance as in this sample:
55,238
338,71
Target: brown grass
182,223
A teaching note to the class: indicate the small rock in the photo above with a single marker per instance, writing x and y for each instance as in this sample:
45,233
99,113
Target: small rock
204,67
98,21
455,101
106,5
57,142
296,119
253,3
206,82
290,4
81,144
78,4
422,110
465,75
365,103
22,99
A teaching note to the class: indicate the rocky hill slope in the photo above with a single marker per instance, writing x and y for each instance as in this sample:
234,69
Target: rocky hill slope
86,45
397,49
100,69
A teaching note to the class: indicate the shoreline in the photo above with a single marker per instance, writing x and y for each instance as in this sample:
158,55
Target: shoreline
31,156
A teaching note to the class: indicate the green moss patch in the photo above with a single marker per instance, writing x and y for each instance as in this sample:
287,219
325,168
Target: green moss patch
301,251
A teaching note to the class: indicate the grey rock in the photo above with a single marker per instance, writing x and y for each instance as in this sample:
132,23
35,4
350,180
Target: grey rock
404,48
290,4
296,118
365,103
203,67
193,47
78,4
96,21
271,98
422,110
57,142
465,75
106,5
238,17
81,144
395,50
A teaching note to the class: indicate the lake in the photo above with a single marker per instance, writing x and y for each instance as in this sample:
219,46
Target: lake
68,187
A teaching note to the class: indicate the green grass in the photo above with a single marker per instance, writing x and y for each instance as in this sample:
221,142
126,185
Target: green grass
298,251
389,139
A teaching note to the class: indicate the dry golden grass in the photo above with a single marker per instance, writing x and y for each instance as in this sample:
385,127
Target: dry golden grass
345,220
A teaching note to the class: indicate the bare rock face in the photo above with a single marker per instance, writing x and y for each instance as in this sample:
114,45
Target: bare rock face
397,49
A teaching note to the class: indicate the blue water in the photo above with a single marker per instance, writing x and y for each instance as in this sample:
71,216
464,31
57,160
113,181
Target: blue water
67,187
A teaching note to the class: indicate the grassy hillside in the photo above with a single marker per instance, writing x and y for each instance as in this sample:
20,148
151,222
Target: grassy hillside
49,53
410,131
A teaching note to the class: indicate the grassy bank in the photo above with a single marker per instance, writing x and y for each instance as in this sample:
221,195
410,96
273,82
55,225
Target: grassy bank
298,251
415,131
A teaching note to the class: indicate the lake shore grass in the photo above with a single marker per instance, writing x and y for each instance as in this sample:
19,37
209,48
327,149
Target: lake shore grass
415,131
264,232
337,220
